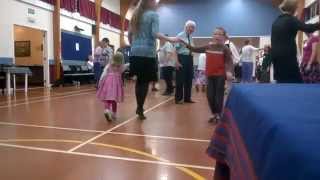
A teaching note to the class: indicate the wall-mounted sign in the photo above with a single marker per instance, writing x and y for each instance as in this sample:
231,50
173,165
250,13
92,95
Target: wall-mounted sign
77,47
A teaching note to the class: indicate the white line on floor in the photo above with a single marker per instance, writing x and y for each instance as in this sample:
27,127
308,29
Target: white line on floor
43,100
160,137
49,127
108,157
119,125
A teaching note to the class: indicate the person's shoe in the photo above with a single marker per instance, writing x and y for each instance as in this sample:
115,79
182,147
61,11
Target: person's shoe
212,120
142,117
140,114
107,115
189,101
179,102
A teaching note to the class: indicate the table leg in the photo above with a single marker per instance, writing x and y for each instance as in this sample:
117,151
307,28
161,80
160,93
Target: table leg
8,84
14,83
26,83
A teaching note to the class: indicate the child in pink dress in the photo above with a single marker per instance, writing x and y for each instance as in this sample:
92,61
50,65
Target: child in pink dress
110,90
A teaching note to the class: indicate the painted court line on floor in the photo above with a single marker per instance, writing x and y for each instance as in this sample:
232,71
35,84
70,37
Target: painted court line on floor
119,125
97,131
50,127
108,157
54,94
160,137
187,171
44,100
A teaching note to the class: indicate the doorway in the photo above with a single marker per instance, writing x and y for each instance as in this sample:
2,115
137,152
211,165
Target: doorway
30,50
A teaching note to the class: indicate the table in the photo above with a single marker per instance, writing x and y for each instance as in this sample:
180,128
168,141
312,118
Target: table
270,132
13,71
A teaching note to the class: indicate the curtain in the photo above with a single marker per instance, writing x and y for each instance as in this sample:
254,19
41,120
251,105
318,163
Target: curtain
115,20
87,9
69,5
105,16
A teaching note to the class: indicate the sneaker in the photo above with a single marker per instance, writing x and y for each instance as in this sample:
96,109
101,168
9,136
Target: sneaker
107,115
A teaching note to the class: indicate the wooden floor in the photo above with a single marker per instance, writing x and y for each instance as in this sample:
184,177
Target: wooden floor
61,134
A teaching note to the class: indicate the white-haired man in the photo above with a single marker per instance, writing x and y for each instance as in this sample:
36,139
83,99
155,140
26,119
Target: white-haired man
184,70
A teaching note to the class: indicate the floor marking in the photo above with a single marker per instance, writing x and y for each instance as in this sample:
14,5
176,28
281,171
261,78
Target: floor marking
160,137
44,100
54,94
161,161
97,131
119,125
50,127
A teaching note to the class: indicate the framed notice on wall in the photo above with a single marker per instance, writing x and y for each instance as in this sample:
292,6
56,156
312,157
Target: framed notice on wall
22,48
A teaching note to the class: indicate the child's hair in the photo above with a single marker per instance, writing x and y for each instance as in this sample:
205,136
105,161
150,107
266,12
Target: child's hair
117,59
223,30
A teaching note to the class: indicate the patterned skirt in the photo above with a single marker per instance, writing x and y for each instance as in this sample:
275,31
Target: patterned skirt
311,75
201,78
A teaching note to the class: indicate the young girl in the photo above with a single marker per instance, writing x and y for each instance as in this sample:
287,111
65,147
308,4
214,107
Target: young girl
110,90
219,67
201,78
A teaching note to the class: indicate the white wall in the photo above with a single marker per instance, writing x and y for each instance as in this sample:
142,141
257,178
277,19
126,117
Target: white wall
114,37
112,5
308,2
69,20
265,40
15,12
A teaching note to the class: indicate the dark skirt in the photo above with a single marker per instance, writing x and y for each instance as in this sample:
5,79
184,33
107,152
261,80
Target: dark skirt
144,68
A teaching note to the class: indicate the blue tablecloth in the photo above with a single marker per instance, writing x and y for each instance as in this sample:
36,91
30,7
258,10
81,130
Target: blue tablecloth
279,126
16,70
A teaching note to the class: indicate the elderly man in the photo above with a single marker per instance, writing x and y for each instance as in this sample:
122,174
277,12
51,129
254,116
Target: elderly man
184,65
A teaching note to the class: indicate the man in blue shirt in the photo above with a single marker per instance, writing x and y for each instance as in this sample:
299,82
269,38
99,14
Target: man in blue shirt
184,72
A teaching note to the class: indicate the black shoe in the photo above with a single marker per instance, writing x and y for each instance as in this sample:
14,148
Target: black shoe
141,117
179,102
140,114
189,101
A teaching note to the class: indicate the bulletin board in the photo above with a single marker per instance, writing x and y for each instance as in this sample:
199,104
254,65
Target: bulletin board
75,46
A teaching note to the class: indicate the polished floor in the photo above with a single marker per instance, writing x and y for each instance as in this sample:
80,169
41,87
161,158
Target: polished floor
61,134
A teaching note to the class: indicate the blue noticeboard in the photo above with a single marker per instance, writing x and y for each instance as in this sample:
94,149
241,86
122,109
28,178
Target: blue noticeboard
75,46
